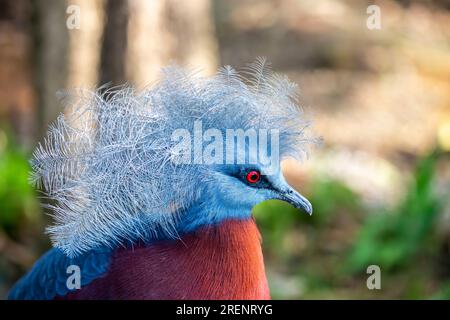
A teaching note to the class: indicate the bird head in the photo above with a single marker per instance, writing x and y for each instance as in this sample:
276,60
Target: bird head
233,191
123,165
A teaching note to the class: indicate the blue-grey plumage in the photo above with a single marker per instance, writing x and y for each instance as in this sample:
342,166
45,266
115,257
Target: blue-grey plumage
48,277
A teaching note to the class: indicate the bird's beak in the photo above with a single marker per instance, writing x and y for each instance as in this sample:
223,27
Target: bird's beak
297,200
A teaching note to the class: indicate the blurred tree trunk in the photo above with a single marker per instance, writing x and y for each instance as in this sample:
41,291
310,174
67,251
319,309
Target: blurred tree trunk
17,91
113,51
50,55
85,45
191,25
162,32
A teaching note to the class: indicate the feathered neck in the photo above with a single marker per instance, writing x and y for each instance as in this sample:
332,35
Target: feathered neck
215,262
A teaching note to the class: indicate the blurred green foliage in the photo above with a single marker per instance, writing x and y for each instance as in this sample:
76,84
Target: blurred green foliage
444,292
391,239
327,196
326,254
17,197
21,236
330,197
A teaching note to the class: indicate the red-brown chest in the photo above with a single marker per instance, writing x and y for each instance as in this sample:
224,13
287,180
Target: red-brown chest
216,262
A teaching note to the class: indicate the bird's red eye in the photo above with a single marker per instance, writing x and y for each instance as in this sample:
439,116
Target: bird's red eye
253,176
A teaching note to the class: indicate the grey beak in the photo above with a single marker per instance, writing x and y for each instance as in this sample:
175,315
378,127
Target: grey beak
297,200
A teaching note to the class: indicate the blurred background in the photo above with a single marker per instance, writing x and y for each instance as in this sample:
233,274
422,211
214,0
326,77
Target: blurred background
380,98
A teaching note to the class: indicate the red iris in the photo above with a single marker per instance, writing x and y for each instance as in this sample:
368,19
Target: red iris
253,176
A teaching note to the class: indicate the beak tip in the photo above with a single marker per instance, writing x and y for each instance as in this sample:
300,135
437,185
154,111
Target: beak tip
300,202
308,209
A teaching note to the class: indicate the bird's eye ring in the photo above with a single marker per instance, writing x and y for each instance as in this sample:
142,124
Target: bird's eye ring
253,176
